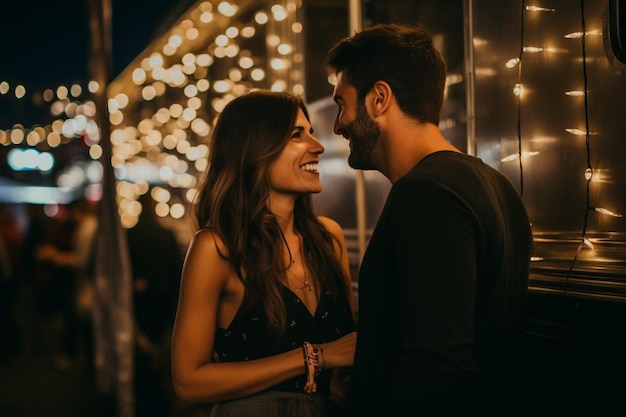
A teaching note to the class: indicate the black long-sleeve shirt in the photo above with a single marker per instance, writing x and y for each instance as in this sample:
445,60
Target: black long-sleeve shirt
442,292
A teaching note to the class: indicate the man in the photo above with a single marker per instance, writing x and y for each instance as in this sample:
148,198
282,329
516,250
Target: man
443,283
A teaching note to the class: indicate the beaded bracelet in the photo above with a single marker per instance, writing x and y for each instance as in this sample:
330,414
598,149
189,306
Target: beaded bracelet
312,360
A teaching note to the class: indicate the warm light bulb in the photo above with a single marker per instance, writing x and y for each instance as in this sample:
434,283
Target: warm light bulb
278,64
261,18
576,132
539,9
511,63
574,35
514,156
511,157
20,91
206,17
232,32
227,9
279,12
605,211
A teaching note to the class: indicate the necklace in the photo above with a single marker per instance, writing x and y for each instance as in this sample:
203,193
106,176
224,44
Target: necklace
305,282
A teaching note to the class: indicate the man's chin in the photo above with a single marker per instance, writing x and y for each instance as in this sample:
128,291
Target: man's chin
356,163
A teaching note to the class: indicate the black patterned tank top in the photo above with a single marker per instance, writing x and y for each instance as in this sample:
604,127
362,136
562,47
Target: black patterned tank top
247,337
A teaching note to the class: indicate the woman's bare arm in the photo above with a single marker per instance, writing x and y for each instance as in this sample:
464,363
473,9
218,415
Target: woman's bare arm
196,376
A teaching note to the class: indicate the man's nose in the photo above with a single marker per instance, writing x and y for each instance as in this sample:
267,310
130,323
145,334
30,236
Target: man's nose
337,128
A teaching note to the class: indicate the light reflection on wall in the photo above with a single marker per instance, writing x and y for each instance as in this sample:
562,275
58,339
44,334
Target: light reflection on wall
544,120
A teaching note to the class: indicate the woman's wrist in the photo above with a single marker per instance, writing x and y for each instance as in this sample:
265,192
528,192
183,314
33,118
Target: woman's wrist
313,360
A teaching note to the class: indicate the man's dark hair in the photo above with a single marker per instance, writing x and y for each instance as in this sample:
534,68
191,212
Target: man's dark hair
401,55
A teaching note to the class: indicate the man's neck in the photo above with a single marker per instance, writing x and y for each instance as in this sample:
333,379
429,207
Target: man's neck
407,148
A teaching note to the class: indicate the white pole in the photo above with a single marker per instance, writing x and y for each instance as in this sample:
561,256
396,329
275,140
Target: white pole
468,12
356,19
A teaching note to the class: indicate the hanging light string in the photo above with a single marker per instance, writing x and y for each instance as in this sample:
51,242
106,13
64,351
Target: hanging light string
589,171
519,102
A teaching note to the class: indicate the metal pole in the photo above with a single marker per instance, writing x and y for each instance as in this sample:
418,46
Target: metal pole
356,22
468,10
112,310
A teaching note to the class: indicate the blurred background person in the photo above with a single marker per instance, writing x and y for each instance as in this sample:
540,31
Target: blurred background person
28,274
156,261
10,242
70,256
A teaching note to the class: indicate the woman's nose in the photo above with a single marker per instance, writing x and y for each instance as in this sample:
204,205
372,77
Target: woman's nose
316,146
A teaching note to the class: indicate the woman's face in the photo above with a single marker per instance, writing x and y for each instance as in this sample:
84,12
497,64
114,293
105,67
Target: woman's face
294,171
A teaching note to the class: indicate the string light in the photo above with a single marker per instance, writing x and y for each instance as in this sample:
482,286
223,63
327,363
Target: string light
532,49
165,153
75,117
589,172
578,35
590,176
517,91
586,242
514,156
606,211
577,132
539,9
202,79
512,63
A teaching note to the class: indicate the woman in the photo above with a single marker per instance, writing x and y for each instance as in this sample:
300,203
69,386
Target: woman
264,278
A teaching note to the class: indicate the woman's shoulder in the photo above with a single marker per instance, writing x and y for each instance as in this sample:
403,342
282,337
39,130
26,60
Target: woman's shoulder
334,228
209,242
330,224
206,262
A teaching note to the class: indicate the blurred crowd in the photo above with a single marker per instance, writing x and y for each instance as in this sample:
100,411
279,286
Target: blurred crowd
47,270
47,264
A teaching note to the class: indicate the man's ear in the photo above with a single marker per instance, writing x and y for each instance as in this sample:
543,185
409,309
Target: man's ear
381,97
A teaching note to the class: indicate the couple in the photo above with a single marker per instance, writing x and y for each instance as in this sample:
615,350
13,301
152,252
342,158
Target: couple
265,323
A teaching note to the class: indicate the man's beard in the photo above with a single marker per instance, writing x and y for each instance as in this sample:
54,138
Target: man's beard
363,133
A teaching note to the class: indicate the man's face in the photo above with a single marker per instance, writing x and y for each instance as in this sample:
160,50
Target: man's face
355,124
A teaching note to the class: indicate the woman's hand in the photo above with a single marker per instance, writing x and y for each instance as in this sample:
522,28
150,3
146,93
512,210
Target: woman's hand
336,354
339,353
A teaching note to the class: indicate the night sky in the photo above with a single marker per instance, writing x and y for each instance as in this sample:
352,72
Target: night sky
45,43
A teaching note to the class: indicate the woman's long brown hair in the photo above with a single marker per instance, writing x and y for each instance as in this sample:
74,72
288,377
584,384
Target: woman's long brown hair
249,134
